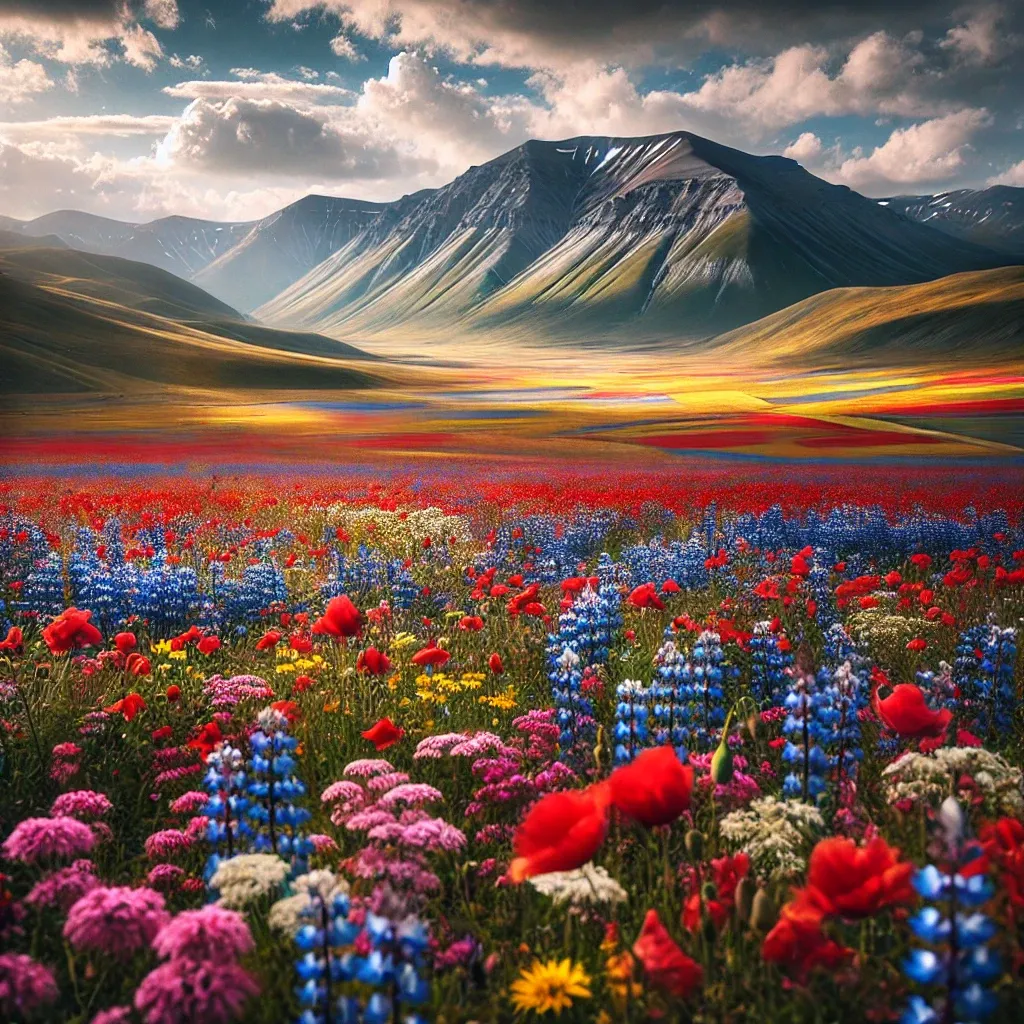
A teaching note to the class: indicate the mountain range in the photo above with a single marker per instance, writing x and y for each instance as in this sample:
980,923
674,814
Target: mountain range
593,240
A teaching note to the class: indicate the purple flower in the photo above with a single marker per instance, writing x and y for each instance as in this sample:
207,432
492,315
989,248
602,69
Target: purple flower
25,986
82,804
182,992
212,934
64,887
116,920
36,839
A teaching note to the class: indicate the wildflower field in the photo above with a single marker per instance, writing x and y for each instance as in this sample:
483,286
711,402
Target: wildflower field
728,744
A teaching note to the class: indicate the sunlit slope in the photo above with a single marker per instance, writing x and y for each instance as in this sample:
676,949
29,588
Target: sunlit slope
979,316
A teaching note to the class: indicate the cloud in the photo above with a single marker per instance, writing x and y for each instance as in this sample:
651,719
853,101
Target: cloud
193,61
984,38
21,80
117,125
342,46
258,85
1011,176
89,31
267,137
930,153
807,149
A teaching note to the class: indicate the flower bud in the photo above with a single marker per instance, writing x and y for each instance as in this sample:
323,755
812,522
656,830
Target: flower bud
709,891
721,763
695,844
763,914
744,897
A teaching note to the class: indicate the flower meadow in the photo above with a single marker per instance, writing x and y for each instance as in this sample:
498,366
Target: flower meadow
395,749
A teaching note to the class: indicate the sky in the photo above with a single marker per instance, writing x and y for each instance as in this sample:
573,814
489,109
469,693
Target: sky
230,109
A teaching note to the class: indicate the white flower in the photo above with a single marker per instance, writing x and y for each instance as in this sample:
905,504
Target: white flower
776,834
587,884
241,880
310,891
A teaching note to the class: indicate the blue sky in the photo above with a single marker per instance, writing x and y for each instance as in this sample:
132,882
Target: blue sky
232,108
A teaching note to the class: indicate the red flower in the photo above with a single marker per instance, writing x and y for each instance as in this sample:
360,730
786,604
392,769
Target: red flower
138,664
561,832
384,734
373,662
13,641
165,732
922,561
207,739
129,706
646,596
433,655
125,643
670,587
173,693
668,967
850,881
471,623
269,640
495,665
907,714
300,642
654,789
917,644
288,708
1003,842
798,944
71,629
341,618
798,566
208,644
302,683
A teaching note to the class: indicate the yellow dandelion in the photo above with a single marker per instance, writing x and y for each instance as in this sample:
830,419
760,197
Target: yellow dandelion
177,655
161,647
550,987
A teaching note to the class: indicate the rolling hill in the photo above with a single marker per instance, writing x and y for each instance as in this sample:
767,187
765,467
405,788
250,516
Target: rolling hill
605,236
993,217
975,317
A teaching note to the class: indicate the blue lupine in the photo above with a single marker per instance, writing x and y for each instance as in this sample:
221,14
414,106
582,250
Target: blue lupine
955,961
806,780
983,670
631,713
704,680
843,694
669,695
768,664
225,781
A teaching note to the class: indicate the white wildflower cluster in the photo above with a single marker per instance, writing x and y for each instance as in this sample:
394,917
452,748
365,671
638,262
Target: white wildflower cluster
243,879
585,885
309,891
887,634
391,528
777,835
933,777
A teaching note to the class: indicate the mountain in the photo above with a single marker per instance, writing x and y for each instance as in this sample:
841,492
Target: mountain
281,248
80,322
976,316
993,217
614,238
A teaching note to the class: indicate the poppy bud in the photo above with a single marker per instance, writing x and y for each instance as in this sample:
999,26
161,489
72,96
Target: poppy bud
709,891
763,914
173,693
721,763
744,897
695,844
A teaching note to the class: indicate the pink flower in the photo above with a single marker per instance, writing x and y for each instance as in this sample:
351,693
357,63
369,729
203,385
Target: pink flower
382,783
350,793
322,843
64,887
25,986
181,991
36,839
367,766
211,934
363,821
437,746
190,802
164,876
114,1015
411,793
433,834
116,920
165,844
82,804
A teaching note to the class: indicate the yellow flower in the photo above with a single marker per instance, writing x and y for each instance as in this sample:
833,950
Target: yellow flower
331,706
619,977
161,647
403,640
177,655
550,987
287,667
504,701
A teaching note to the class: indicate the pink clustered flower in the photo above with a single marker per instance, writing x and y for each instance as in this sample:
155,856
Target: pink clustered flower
83,804
64,887
366,766
322,843
382,783
64,764
36,839
411,794
211,933
116,919
363,821
433,834
164,876
25,986
166,843
438,746
223,692
113,1015
190,802
483,743
183,990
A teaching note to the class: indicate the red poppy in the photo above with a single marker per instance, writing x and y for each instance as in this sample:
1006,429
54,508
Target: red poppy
798,566
173,693
288,708
471,623
269,640
13,641
922,561
125,643
798,944
1003,842
917,644
670,587
561,832
667,966
384,734
129,706
208,738
495,665
208,645
341,618
850,881
905,711
71,629
646,596
138,664
190,636
373,662
726,873
300,643
302,683
433,656
654,789
165,732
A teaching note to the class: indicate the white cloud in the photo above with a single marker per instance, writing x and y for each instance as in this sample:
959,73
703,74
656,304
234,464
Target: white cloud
193,61
117,125
259,85
21,80
141,47
807,149
932,152
983,39
163,13
1011,176
342,46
